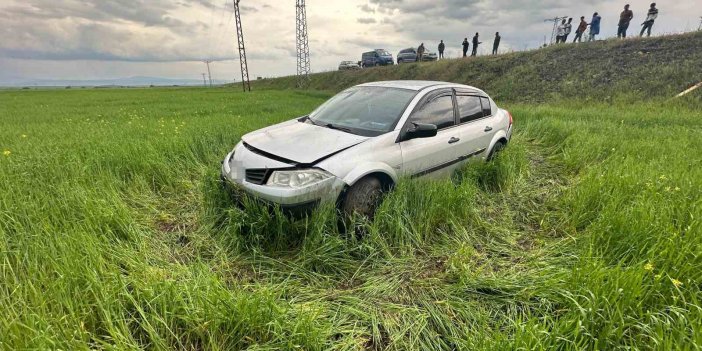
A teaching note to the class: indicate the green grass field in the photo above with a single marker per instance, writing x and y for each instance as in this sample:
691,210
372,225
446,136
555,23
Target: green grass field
586,233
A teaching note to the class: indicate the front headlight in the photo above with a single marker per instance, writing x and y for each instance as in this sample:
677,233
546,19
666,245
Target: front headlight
297,178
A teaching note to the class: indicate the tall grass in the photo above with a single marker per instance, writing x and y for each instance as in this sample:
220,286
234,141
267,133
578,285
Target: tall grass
115,234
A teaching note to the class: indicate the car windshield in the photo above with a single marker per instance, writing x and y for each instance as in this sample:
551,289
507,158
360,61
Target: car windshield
368,111
383,53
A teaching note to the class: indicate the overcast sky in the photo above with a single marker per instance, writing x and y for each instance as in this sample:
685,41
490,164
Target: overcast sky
97,39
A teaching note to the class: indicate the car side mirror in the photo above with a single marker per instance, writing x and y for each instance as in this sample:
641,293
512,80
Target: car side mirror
421,130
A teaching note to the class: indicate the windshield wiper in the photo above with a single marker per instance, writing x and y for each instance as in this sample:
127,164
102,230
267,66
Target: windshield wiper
343,129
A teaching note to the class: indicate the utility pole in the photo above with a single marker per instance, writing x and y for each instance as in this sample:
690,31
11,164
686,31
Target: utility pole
204,81
207,62
700,26
555,21
303,46
242,50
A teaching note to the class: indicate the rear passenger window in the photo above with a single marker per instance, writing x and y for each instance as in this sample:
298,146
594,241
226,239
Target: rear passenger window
469,108
487,109
438,112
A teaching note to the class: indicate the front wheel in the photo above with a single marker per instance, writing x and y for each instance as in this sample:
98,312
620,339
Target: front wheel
363,198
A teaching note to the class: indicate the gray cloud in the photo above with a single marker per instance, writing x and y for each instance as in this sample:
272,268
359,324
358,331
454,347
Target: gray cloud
366,8
146,12
366,20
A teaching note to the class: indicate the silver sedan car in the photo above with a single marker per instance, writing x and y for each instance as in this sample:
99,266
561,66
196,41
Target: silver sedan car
348,65
361,142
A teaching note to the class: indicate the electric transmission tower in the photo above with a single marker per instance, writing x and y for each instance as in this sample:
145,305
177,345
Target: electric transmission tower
555,21
303,46
242,50
209,75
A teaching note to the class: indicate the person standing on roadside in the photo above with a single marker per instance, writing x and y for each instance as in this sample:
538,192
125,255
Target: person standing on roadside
420,52
595,26
441,49
560,32
581,29
475,44
650,18
465,46
624,20
568,29
496,43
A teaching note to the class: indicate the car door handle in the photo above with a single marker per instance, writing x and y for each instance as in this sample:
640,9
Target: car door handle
454,140
488,128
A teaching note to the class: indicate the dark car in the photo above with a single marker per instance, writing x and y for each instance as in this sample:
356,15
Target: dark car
377,57
410,55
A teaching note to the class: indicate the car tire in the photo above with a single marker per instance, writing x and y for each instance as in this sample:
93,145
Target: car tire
363,198
496,149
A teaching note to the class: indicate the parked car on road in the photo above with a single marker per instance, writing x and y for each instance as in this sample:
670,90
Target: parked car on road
377,57
410,55
348,65
359,143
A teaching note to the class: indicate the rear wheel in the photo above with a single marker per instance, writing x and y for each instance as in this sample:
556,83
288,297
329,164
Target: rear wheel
363,198
499,146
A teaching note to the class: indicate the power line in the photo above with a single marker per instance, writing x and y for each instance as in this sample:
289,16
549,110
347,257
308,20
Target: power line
303,46
555,21
242,50
207,62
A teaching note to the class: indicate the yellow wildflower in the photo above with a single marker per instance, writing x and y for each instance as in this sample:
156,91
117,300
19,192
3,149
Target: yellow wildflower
658,276
676,282
648,267
6,153
24,135
677,189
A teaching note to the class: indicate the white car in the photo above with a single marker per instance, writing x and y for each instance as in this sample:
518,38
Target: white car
348,65
362,141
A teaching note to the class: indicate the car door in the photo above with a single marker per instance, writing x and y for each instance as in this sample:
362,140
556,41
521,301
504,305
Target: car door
474,123
413,55
434,156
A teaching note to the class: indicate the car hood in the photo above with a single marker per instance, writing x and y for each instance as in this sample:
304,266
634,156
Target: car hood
301,142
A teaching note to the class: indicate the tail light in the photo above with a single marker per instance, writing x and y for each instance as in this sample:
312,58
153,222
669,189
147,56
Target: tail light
510,118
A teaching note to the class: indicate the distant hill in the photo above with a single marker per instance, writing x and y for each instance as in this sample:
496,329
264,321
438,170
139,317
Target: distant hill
129,81
660,66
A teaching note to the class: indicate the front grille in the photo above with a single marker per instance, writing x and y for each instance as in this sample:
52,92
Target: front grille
257,175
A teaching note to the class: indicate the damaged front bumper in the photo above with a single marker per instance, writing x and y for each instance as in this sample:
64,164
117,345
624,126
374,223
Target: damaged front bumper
290,200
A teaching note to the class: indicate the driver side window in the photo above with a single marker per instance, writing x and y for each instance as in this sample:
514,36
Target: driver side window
438,111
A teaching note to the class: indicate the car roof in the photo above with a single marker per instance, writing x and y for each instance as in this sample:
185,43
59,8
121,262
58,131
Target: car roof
417,85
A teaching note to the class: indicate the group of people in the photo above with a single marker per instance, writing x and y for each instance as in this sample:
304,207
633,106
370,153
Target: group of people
466,45
476,41
565,28
563,31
